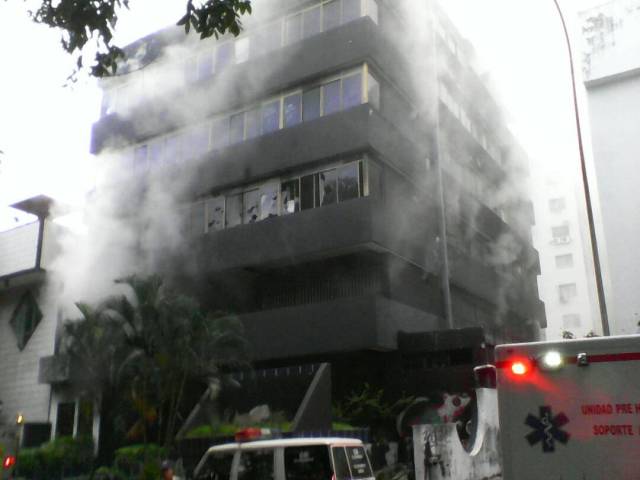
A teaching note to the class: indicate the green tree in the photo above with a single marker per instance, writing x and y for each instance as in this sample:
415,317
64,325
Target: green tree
84,21
146,346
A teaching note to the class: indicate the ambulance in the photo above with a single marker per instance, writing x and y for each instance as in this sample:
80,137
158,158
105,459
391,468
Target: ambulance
570,410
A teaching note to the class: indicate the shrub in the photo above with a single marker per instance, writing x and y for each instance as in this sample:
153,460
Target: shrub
137,460
107,473
64,456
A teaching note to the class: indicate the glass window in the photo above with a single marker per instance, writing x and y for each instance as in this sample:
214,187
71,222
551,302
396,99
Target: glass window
330,15
311,104
293,29
205,65
352,91
219,133
557,204
560,234
308,462
140,158
311,22
564,261
256,465
266,39
331,97
224,55
242,49
233,210
373,91
292,109
251,205
290,194
236,128
271,116
567,291
215,213
358,462
340,464
199,140
269,200
197,218
348,180
308,194
155,152
172,149
252,123
25,319
327,182
217,467
350,10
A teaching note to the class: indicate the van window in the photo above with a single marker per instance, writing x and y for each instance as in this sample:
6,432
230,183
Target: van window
256,465
307,463
351,463
217,467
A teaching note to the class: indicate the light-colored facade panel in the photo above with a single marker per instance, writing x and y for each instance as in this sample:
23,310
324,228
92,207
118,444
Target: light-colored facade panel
18,248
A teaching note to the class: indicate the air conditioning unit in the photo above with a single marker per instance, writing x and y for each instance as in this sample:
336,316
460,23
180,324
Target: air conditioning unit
561,240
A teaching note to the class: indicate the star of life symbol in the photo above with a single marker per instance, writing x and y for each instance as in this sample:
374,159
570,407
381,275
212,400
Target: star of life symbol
547,429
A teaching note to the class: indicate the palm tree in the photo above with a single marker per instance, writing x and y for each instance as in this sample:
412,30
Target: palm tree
163,341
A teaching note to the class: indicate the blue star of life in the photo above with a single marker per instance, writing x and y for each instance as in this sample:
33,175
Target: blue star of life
547,429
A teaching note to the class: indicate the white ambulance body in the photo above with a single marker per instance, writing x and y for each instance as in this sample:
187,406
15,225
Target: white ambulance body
570,410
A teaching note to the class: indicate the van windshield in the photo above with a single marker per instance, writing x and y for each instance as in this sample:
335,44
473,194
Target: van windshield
216,467
307,463
351,463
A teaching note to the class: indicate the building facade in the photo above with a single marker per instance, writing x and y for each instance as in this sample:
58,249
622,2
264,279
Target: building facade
561,237
612,79
353,195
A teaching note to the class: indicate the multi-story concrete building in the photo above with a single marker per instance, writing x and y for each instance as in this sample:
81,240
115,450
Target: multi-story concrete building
351,192
612,78
561,237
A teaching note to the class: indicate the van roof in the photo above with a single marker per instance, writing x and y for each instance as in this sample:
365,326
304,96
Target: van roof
284,442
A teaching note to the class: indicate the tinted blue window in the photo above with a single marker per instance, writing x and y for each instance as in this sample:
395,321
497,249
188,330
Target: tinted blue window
331,97
271,116
236,128
311,22
352,91
253,123
220,133
224,55
331,15
140,158
293,28
311,104
292,112
350,10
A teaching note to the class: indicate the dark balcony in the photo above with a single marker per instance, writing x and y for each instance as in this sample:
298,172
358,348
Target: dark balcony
342,325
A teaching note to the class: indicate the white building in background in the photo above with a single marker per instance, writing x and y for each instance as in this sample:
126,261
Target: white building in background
611,65
566,283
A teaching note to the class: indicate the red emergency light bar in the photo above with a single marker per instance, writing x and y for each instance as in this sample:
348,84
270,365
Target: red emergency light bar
252,433
8,462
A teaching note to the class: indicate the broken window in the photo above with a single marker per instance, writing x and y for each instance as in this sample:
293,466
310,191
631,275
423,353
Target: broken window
327,182
308,192
331,97
251,200
215,213
271,116
311,104
25,319
352,91
269,200
236,128
331,15
348,181
290,194
233,210
292,109
293,29
311,22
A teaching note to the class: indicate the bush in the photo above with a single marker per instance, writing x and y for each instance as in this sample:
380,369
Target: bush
106,473
64,456
138,461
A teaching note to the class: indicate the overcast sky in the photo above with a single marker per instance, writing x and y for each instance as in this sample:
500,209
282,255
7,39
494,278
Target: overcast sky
45,127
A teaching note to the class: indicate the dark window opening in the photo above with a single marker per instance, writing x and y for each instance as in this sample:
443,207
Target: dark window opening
65,419
25,319
307,463
311,104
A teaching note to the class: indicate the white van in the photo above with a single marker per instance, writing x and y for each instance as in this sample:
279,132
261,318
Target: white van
287,459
